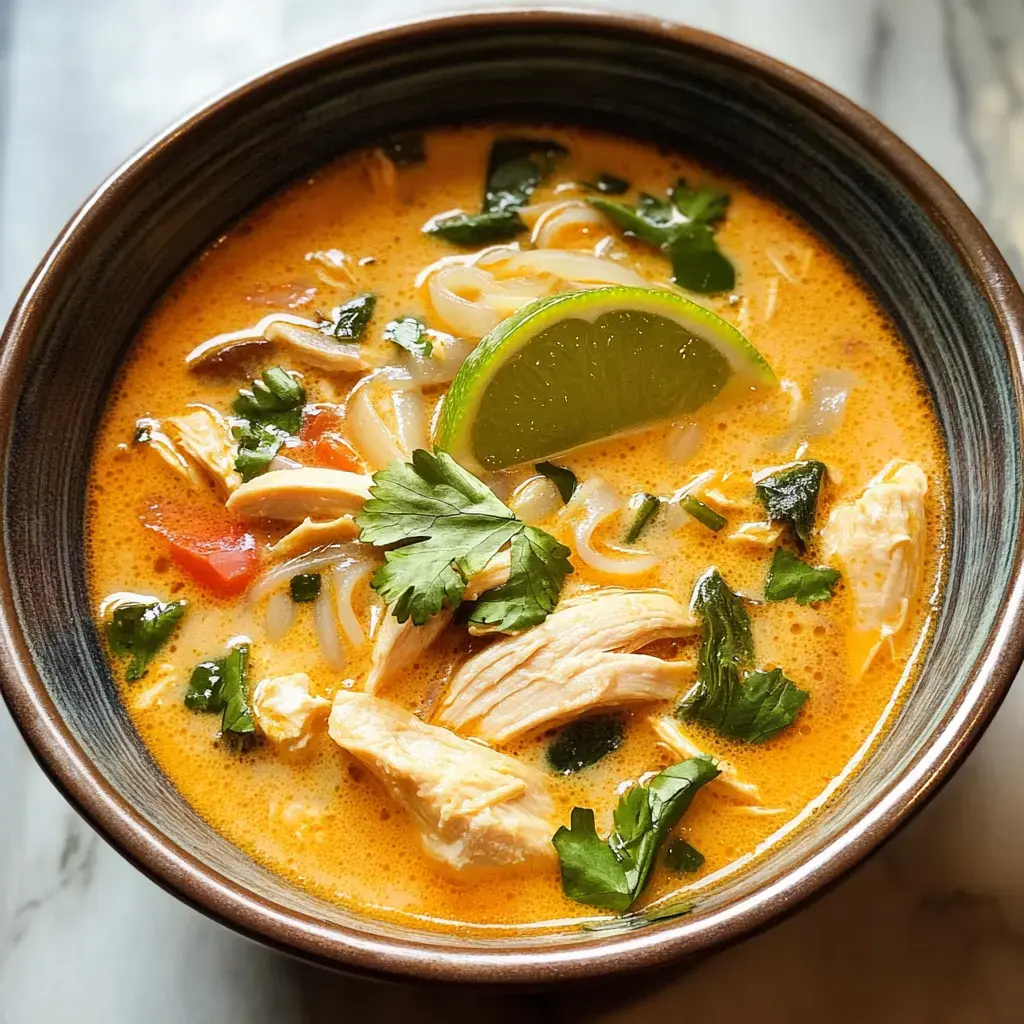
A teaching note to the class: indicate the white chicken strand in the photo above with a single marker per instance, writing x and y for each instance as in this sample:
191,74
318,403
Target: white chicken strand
878,540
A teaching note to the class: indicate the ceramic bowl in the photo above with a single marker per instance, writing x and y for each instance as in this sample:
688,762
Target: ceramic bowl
913,241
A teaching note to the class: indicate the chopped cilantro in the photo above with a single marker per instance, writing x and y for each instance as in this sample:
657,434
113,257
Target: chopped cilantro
138,629
411,334
789,577
645,512
612,873
222,685
269,410
702,513
349,322
305,587
790,495
450,526
563,478
681,856
584,742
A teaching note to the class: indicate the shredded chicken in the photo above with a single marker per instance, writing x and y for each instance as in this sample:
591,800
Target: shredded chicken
879,542
309,534
398,644
297,494
578,659
474,806
168,451
757,535
285,711
164,680
206,440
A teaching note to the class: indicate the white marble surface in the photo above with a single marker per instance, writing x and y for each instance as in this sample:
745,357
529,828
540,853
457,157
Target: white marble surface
930,930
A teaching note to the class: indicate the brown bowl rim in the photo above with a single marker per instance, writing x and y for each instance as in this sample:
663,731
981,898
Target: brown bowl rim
215,895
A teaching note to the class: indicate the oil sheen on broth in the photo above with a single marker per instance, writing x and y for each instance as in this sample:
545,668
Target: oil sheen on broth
319,816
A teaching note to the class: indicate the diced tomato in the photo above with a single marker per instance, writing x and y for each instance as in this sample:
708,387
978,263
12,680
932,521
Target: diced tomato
210,544
321,442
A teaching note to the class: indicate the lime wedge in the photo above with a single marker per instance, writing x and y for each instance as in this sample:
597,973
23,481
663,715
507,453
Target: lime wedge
574,368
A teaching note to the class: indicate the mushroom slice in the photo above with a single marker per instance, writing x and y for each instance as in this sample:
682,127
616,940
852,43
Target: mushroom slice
297,494
206,439
310,534
578,659
285,711
879,542
473,806
286,329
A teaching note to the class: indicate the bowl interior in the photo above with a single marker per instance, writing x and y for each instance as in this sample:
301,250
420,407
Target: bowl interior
77,321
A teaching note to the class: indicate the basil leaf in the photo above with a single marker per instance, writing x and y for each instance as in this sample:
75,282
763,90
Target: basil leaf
138,629
706,205
790,495
305,587
475,228
650,220
584,742
405,149
646,511
764,705
221,685
411,334
697,263
702,513
206,687
564,479
789,577
350,321
681,856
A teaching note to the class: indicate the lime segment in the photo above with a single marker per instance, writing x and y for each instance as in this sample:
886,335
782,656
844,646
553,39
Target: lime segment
574,368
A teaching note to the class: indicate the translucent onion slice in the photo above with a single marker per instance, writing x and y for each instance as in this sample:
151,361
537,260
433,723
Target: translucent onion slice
683,441
411,420
326,627
280,614
826,408
347,576
311,561
593,503
574,266
282,462
366,430
535,500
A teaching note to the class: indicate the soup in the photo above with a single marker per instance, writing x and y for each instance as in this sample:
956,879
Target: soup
660,568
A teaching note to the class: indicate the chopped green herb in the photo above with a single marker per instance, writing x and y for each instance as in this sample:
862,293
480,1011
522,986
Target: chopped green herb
612,873
702,513
257,446
790,495
683,229
405,149
516,167
645,512
753,709
450,526
138,629
563,478
271,409
411,334
610,185
681,856
350,321
789,577
222,685
305,587
584,742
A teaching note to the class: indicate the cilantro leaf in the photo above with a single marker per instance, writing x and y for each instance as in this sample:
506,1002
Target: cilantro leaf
270,410
790,495
612,873
698,265
450,526
411,334
222,685
138,629
584,742
516,167
349,322
645,512
681,856
561,476
704,515
753,709
789,577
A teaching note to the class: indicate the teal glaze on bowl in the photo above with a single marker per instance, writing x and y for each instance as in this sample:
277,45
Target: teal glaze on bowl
928,260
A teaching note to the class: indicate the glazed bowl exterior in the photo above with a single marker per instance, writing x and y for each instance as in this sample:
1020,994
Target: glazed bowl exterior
900,226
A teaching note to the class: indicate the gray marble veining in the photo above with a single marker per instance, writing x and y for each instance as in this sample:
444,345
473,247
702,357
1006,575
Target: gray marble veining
930,930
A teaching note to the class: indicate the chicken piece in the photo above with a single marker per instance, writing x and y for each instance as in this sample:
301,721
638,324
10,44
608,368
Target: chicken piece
285,711
474,807
297,494
398,644
672,736
168,451
206,440
309,534
578,659
757,535
879,542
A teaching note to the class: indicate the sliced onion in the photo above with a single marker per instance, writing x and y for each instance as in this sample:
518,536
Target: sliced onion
574,266
411,420
456,292
593,503
366,430
347,576
280,614
826,409
535,500
282,462
310,561
570,215
683,441
327,629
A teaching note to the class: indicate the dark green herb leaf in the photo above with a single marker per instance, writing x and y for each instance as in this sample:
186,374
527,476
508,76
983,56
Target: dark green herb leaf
645,512
271,409
351,320
697,263
475,228
765,704
706,205
702,513
612,874
305,587
651,220
584,742
257,446
405,149
681,856
222,685
610,184
411,334
562,477
450,526
790,495
789,577
138,629
206,687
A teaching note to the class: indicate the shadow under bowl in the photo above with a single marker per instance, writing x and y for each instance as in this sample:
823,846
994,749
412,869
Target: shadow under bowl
901,227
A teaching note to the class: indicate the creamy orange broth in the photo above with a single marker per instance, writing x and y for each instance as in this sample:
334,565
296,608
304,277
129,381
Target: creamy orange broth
324,822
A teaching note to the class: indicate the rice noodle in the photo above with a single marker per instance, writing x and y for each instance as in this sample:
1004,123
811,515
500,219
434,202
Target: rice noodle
553,220
366,430
593,503
410,419
535,500
311,561
280,615
347,576
326,628
574,266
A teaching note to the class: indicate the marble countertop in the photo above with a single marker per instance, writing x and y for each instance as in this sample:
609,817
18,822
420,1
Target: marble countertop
931,929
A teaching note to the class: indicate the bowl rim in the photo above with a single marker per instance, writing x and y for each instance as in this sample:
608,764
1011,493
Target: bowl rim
337,945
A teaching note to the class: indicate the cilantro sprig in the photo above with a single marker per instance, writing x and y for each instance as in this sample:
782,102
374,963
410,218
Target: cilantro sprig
789,577
269,410
790,495
442,526
221,685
